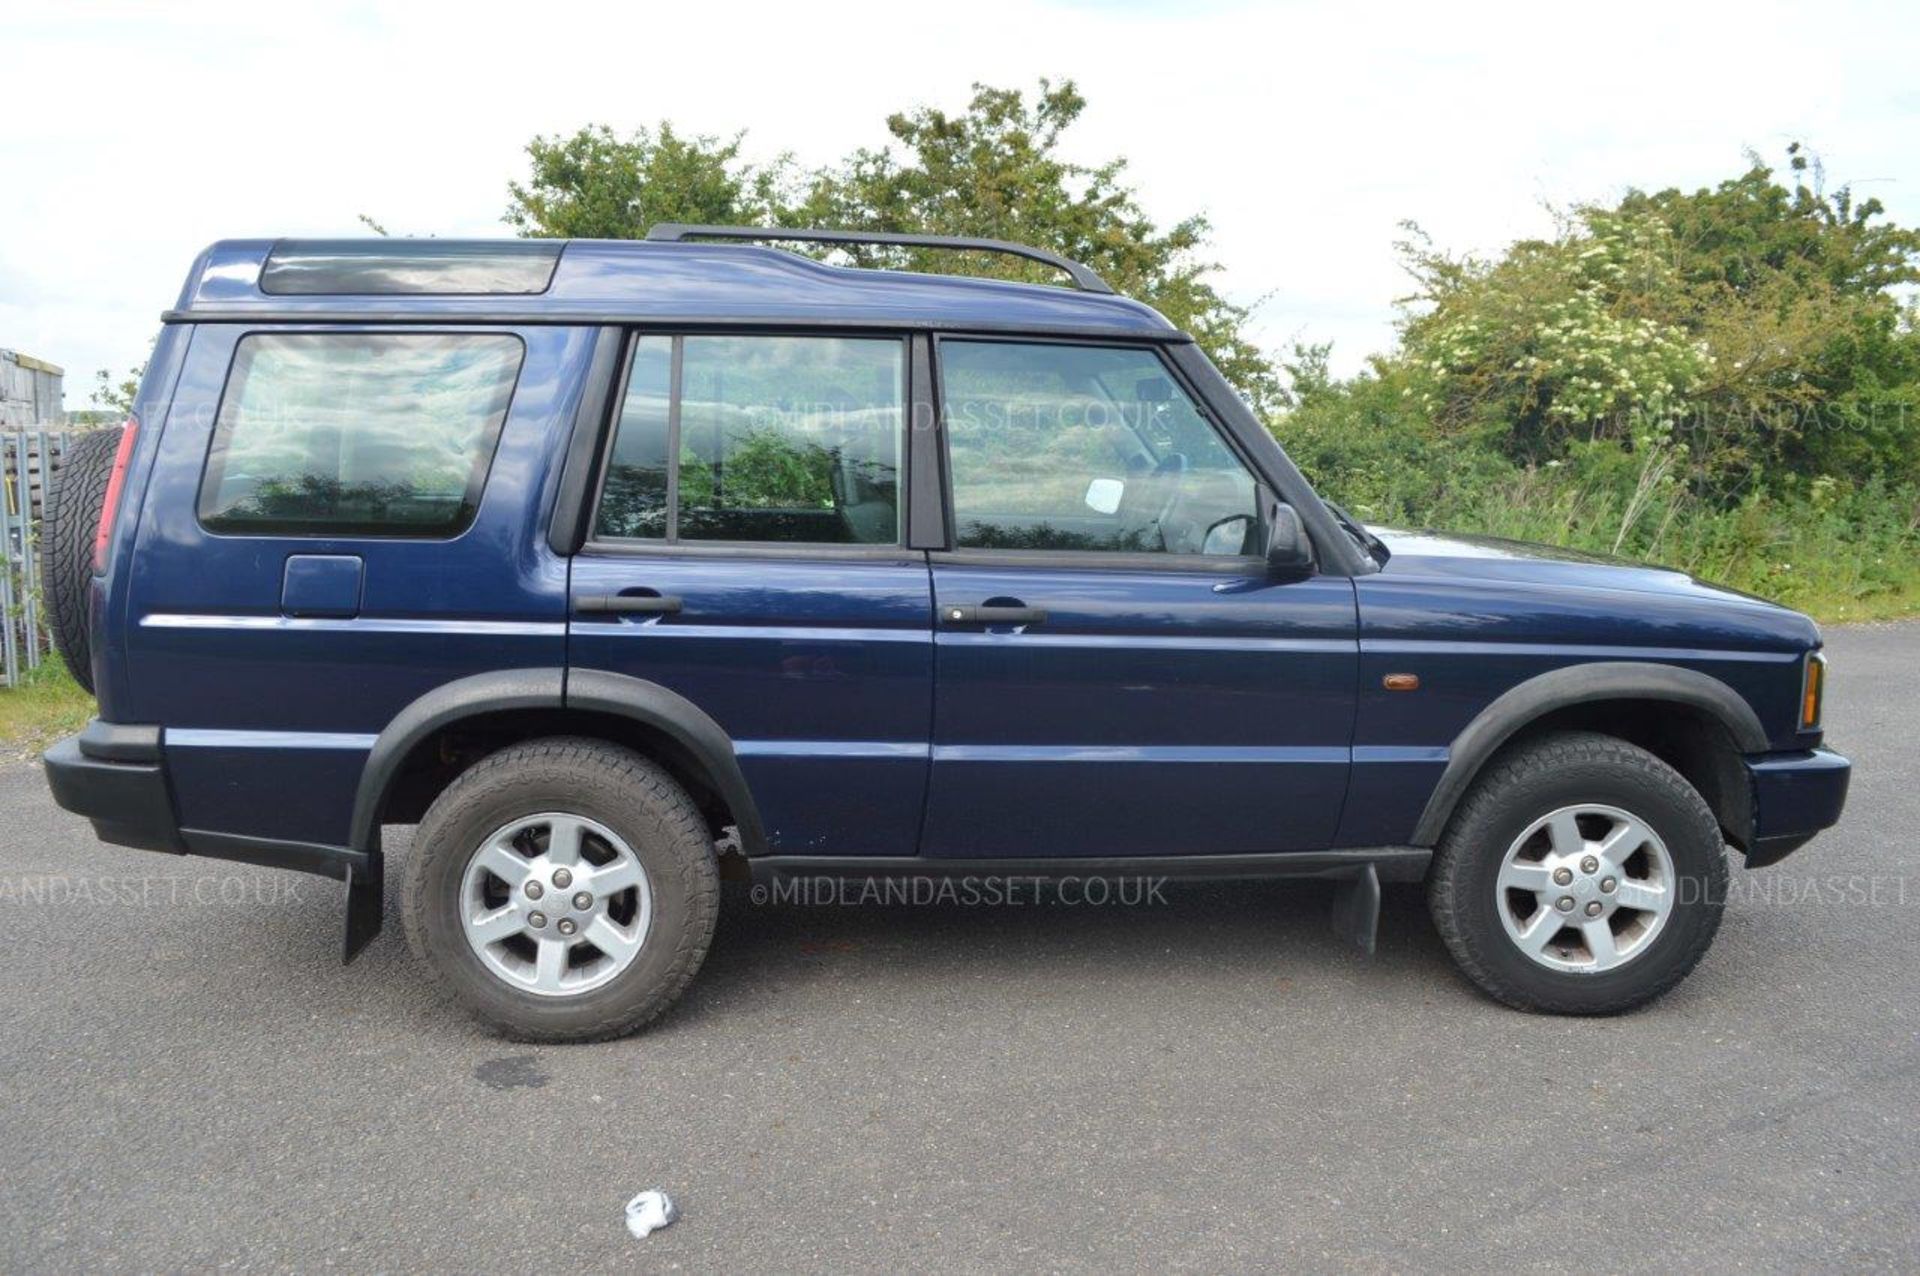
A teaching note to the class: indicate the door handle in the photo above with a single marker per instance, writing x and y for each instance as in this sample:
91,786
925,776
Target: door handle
627,604
986,615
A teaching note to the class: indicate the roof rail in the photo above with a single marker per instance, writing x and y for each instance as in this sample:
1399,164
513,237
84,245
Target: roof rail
1083,277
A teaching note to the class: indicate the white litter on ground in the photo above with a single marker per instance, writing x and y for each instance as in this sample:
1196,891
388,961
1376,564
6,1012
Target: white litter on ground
650,1211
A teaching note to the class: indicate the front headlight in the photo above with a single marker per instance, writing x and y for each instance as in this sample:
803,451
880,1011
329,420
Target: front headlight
1813,687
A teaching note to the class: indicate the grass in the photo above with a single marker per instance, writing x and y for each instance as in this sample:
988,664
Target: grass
46,705
1860,562
1838,552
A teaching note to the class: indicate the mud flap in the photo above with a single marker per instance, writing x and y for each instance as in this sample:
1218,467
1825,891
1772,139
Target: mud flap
365,903
1356,908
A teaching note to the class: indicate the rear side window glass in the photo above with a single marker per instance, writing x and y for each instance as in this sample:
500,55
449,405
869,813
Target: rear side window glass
761,439
422,267
336,433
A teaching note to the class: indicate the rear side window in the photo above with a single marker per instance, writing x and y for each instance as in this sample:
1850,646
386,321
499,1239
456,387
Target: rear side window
763,439
357,433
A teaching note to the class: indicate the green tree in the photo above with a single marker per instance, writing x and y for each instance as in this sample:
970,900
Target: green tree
599,185
1561,339
1746,232
1795,293
117,396
1724,379
1756,328
994,170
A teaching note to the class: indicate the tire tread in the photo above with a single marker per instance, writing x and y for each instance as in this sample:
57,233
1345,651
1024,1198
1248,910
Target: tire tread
75,492
570,759
1558,753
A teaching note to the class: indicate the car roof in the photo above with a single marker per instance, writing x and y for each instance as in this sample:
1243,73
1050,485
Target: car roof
625,281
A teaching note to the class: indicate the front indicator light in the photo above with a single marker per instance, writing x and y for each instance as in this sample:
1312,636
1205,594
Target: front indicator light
1813,686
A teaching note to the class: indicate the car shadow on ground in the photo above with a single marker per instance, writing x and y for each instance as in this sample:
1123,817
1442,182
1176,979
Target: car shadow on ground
765,952
768,951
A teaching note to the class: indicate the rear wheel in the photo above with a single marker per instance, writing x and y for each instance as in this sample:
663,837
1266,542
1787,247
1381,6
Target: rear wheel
1581,875
69,521
563,890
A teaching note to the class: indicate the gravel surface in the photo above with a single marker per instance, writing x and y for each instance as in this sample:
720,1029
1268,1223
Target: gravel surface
1211,1082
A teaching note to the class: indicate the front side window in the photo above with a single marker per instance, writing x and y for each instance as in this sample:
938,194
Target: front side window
758,438
1062,447
357,433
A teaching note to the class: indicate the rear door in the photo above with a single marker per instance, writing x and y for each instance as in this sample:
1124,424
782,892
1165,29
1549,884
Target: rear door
1116,673
339,520
746,552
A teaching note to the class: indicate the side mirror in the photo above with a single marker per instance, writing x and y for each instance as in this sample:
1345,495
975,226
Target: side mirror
1289,552
1229,535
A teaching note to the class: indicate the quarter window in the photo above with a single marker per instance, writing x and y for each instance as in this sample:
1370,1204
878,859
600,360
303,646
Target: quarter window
762,439
337,433
1062,447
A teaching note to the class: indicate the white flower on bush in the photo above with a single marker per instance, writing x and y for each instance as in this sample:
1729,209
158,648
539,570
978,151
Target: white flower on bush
1563,334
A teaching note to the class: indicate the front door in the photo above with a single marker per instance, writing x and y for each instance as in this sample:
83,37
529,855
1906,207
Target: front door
747,554
1116,673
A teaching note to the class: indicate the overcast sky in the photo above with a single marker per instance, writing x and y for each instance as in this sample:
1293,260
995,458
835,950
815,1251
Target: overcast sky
134,135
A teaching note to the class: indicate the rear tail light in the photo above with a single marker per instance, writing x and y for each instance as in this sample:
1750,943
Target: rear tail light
1813,687
116,483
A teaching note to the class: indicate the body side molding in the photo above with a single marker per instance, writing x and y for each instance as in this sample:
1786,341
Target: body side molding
1572,685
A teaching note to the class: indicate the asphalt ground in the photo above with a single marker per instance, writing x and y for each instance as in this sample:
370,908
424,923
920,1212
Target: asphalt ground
1208,1080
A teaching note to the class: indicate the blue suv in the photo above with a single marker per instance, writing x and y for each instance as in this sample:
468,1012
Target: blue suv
620,568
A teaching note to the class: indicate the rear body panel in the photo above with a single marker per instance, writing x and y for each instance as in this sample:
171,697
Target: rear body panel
111,590
270,706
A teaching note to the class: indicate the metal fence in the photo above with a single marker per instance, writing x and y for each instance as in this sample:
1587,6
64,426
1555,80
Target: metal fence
29,458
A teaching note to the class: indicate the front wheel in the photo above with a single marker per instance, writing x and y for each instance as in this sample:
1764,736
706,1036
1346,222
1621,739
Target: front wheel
563,890
1580,875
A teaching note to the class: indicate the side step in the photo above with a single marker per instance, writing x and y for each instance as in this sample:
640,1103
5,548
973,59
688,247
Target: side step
1356,904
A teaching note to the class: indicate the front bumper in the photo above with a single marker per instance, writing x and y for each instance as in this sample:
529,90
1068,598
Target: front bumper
1794,795
116,776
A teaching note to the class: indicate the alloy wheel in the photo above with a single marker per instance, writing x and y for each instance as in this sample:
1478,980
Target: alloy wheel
1585,888
555,904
